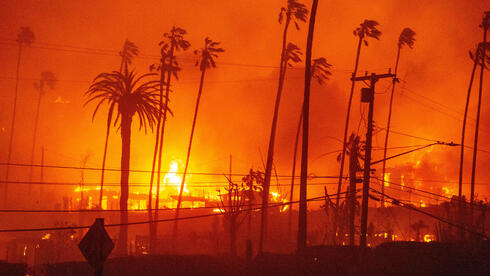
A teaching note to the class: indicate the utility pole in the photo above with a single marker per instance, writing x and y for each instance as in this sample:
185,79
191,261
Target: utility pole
353,168
41,187
368,97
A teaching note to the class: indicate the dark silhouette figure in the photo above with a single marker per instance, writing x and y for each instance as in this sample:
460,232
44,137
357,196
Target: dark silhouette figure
128,95
47,81
365,30
173,41
24,38
293,12
206,56
407,37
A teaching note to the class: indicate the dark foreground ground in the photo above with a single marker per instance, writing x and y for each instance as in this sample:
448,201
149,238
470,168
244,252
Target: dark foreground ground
400,258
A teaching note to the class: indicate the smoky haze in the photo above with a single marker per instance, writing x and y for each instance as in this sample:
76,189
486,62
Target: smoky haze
236,110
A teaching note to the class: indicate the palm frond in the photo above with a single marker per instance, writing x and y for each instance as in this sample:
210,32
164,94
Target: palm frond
129,93
25,36
320,70
407,37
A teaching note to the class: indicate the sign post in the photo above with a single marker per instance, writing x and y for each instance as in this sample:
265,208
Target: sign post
96,246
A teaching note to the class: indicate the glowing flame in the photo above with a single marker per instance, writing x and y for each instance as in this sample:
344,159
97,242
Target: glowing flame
172,179
429,238
422,204
285,207
386,179
46,237
403,181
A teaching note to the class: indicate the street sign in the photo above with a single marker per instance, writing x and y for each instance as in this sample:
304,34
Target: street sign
96,245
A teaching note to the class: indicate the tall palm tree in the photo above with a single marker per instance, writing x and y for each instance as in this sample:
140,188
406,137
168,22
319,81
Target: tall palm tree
128,95
365,30
320,70
47,80
129,51
483,53
206,56
475,57
24,38
407,37
173,41
302,231
294,12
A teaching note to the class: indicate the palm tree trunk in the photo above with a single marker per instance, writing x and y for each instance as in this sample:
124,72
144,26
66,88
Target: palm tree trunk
106,144
167,95
385,150
463,131
36,122
12,128
302,231
293,172
123,202
270,151
179,201
475,145
151,225
346,129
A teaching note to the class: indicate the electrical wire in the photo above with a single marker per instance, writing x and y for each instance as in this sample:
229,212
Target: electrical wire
153,221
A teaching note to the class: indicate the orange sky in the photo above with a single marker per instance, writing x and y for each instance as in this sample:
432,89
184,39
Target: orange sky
237,102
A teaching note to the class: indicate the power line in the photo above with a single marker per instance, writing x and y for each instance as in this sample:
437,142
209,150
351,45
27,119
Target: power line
457,225
427,192
105,52
152,221
143,184
142,171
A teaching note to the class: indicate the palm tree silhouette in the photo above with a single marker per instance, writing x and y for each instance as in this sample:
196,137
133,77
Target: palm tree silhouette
475,57
365,30
173,41
129,51
302,227
483,53
320,71
407,37
206,56
24,38
293,12
47,80
128,95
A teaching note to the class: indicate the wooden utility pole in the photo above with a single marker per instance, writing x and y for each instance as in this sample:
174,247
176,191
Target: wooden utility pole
353,168
368,97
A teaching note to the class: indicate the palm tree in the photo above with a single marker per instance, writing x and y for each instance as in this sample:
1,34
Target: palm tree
206,56
293,12
483,53
25,37
302,232
365,30
129,51
47,80
128,95
407,37
173,41
476,58
320,71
